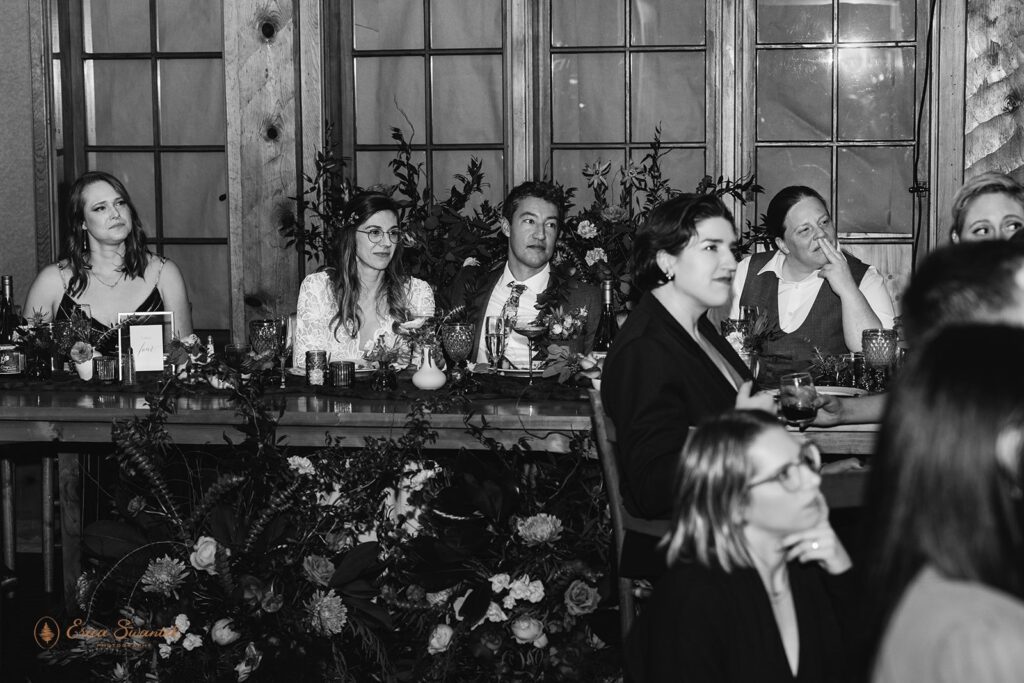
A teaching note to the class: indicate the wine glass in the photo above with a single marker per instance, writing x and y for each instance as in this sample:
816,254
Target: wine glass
457,339
531,331
796,398
495,337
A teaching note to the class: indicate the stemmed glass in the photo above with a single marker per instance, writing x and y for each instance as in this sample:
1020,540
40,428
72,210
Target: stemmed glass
531,331
457,339
796,398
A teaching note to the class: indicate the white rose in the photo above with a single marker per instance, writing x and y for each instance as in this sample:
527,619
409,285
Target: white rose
205,556
529,630
440,639
222,633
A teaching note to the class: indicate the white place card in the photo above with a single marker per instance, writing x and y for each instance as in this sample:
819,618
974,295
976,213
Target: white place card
148,335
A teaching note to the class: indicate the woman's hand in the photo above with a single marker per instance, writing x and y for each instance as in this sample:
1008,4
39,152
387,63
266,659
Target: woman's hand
837,270
762,400
820,545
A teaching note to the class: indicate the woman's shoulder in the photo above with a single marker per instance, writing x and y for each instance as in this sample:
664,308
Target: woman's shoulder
419,287
320,278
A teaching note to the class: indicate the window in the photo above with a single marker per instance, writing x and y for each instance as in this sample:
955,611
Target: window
140,85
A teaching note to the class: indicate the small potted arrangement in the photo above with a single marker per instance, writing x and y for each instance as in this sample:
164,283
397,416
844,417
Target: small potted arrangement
81,354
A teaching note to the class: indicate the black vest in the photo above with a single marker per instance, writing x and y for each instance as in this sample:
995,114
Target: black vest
823,328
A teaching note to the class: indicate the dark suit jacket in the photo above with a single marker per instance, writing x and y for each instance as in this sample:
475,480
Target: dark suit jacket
656,383
473,285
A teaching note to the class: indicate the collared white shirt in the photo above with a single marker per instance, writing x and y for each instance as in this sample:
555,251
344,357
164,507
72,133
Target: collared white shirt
797,298
516,349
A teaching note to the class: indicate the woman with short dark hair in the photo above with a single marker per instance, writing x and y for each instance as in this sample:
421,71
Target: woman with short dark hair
944,504
669,367
757,588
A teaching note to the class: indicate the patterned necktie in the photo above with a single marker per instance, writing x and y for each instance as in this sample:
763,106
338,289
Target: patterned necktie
510,311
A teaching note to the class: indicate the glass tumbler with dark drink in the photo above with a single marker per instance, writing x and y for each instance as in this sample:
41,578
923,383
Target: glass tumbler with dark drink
797,397
495,335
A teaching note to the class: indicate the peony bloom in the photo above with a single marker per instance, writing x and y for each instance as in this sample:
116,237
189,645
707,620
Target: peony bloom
581,598
222,633
541,528
164,575
192,641
586,230
205,556
327,613
527,630
318,569
250,663
440,639
301,465
595,255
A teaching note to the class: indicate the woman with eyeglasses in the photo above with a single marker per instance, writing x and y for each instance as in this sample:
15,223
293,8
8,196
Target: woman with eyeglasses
758,581
945,514
363,290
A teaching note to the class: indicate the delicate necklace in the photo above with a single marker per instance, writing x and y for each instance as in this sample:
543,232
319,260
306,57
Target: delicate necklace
107,284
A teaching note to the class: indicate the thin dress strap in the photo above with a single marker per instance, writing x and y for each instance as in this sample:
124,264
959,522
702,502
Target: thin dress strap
63,270
163,262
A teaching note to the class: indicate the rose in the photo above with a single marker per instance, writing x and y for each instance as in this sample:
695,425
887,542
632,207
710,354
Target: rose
222,633
540,528
81,352
440,639
527,630
192,641
301,465
318,569
205,556
524,589
581,598
250,663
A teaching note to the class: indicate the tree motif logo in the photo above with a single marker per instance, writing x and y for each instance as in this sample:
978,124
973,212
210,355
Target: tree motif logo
46,632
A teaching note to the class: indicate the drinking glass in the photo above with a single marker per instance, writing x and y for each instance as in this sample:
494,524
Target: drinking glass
531,331
495,338
796,398
235,354
284,346
457,339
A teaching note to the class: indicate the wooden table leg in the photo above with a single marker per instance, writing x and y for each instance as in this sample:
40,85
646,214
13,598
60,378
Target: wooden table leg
70,482
7,505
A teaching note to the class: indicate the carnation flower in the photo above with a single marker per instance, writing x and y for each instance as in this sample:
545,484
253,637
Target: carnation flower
586,230
164,650
594,255
581,598
164,575
181,624
192,641
524,589
540,528
301,465
440,639
318,569
327,613
500,582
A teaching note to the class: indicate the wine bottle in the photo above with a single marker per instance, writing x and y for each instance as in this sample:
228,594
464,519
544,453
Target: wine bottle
8,318
608,326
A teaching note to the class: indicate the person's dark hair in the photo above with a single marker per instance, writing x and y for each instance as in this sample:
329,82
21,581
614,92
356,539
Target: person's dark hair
136,257
344,273
968,282
989,182
711,491
784,200
937,493
549,192
670,226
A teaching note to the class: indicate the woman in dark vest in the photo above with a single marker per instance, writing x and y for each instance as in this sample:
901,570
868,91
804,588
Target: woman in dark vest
819,296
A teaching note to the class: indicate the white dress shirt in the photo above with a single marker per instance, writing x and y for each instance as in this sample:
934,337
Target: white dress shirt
516,349
797,298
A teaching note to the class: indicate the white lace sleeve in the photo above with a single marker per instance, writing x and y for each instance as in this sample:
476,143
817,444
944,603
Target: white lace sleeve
421,298
316,307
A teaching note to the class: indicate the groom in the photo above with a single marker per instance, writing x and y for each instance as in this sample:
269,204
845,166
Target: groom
524,285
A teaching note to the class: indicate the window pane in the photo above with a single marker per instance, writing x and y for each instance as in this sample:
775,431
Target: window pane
667,22
388,89
779,167
587,22
467,99
372,168
668,87
387,24
192,109
457,23
862,21
587,98
118,97
793,21
189,26
448,163
568,170
876,93
872,189
794,94
205,270
57,112
115,25
135,170
194,194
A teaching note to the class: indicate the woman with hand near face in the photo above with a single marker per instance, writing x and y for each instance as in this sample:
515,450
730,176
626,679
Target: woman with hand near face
758,587
989,206
818,296
364,290
669,367
107,265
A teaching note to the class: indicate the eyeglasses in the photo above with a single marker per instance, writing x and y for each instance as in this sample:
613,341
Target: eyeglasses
377,234
790,476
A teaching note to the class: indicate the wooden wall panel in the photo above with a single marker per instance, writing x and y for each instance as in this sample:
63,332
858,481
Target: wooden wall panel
893,261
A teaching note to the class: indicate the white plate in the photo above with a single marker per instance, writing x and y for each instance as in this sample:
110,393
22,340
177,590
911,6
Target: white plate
833,391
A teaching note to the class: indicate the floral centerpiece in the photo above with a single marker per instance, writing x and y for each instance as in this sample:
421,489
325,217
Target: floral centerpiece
749,336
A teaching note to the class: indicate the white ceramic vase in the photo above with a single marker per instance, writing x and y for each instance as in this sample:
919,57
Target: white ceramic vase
84,370
429,377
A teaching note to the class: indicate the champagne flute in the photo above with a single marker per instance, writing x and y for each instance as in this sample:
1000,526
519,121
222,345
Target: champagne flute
531,330
796,398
